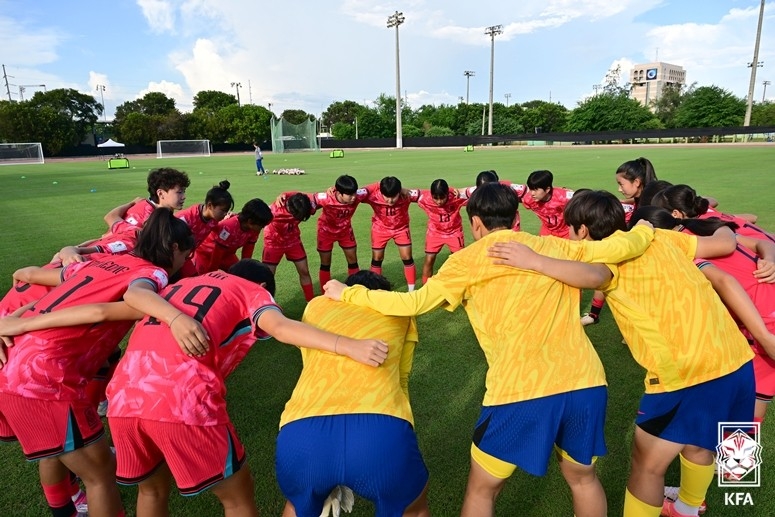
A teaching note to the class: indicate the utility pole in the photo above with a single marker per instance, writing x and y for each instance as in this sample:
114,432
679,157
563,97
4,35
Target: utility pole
237,86
754,65
596,87
23,88
250,92
764,93
5,78
508,96
101,89
468,74
492,31
394,20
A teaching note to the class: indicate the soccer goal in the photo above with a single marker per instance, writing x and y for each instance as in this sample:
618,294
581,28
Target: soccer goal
21,154
182,148
287,137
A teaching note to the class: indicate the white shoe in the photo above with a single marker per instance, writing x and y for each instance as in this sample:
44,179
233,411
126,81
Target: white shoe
81,505
102,408
258,173
586,319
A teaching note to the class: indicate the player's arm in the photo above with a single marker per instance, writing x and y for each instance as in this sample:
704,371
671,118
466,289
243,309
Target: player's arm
247,250
370,352
571,272
425,299
721,243
765,249
38,275
118,213
70,254
85,314
737,301
189,333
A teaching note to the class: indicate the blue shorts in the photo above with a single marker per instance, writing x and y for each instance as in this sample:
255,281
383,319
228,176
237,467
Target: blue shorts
375,455
525,433
691,415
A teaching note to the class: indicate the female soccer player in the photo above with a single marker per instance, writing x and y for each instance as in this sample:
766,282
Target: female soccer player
445,226
547,202
166,188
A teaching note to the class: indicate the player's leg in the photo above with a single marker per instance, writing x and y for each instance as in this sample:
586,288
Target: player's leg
403,240
419,508
593,316
56,481
237,495
377,256
586,489
325,245
298,256
271,257
350,250
153,493
95,464
427,266
379,241
481,490
651,456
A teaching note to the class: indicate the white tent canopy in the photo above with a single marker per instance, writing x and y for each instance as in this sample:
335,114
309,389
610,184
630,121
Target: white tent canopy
111,143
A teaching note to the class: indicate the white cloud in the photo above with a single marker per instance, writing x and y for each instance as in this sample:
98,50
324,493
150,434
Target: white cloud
159,14
25,46
183,100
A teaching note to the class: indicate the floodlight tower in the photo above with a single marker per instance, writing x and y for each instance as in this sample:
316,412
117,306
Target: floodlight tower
468,74
394,20
101,89
508,96
764,92
237,86
754,65
492,31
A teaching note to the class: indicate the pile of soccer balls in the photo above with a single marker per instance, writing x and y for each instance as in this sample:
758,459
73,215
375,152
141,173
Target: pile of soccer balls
289,172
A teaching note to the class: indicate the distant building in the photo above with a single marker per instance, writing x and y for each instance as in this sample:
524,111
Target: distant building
648,80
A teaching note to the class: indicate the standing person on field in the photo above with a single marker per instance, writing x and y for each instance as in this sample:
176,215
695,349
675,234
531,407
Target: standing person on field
334,431
445,226
259,161
546,389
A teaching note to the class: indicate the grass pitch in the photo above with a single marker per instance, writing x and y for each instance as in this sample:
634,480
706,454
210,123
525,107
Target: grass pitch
48,206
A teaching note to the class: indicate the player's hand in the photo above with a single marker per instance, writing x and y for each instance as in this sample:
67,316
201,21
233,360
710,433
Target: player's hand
190,335
5,343
68,255
371,352
646,223
513,254
11,325
280,201
455,192
765,271
333,289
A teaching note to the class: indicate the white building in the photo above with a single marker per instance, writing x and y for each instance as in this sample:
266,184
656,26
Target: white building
649,79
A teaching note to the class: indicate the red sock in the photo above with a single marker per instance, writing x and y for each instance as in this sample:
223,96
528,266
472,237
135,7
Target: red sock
376,269
323,277
58,498
309,292
352,270
410,272
425,279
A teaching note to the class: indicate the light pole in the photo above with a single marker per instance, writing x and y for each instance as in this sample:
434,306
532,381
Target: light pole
764,93
492,31
394,20
754,65
508,96
596,87
101,89
237,86
468,74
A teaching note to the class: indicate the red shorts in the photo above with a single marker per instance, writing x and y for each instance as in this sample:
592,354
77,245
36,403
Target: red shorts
764,373
197,456
47,428
434,243
326,240
273,256
380,238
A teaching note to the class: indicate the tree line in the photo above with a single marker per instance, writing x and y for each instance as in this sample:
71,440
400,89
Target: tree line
63,118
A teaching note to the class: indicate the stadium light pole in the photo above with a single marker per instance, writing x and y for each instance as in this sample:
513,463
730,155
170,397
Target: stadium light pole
492,31
764,92
754,65
237,86
101,89
394,20
508,96
469,74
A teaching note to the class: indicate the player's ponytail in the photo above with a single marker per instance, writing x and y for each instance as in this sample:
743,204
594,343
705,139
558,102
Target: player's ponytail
219,196
162,230
663,219
684,199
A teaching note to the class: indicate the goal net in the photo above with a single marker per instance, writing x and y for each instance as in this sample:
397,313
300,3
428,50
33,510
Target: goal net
182,148
21,154
287,137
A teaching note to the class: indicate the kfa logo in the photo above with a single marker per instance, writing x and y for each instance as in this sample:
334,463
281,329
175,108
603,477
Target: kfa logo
738,454
738,499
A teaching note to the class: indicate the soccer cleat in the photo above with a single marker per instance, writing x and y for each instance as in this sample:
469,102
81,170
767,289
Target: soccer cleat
671,494
102,408
81,506
588,319
258,173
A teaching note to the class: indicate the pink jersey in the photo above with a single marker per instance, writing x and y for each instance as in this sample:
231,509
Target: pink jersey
223,242
283,232
744,227
155,380
628,208
122,238
389,218
443,220
336,218
519,191
140,212
23,293
56,364
551,212
200,228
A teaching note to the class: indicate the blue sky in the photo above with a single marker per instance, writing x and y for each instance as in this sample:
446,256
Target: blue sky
306,54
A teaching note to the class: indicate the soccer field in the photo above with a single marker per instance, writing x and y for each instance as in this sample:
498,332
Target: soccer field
62,202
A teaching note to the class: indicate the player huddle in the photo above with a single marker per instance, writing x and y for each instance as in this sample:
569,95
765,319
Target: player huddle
693,298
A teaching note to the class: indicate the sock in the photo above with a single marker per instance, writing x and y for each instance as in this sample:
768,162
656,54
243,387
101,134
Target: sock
58,498
376,266
634,507
597,306
309,292
425,279
352,269
324,275
410,272
695,480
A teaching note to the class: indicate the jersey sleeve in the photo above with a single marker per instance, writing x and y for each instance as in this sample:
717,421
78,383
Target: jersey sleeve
155,276
617,248
261,302
389,303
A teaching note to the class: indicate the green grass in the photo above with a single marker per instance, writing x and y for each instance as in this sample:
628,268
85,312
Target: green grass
41,216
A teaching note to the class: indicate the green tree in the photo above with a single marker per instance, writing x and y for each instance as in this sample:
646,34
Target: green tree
252,125
80,109
710,106
549,116
343,131
22,122
296,116
763,114
344,111
611,112
213,100
152,103
439,131
139,129
666,105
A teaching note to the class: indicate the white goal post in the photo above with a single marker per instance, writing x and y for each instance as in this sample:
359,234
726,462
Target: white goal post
182,148
21,154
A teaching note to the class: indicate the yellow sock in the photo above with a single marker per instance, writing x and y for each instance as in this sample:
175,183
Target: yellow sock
695,480
634,507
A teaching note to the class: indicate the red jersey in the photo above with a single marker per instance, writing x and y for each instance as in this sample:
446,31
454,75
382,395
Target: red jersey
56,364
200,228
224,242
140,212
551,212
283,232
335,217
23,293
122,238
443,220
155,380
744,227
389,218
519,191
